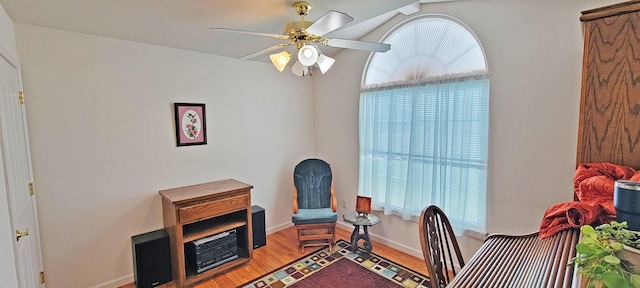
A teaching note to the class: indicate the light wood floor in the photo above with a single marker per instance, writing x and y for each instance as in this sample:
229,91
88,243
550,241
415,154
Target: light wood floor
282,248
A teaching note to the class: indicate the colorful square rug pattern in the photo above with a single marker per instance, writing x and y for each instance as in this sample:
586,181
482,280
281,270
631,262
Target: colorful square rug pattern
303,268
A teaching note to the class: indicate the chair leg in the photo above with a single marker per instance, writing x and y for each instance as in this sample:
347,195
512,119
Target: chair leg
300,234
316,235
332,241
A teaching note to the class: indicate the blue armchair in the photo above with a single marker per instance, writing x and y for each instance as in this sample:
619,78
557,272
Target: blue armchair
314,204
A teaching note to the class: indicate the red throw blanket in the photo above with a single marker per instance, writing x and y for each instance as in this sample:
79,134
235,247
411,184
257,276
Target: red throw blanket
593,184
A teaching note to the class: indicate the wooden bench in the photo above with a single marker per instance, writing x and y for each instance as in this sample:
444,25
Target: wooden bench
521,261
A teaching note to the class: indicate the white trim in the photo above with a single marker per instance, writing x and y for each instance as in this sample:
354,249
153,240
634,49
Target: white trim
116,283
4,53
349,227
279,227
346,226
129,278
393,244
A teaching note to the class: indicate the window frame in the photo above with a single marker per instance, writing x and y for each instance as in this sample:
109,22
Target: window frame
366,71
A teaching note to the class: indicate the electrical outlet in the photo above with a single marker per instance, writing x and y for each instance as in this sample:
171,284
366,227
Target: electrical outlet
344,203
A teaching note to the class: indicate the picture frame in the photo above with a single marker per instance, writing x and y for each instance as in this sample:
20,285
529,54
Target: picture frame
190,122
363,204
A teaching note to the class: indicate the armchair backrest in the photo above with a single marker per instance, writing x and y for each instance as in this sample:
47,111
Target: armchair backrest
313,180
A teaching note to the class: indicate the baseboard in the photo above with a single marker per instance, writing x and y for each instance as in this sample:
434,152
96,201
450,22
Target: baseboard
393,244
346,226
116,283
129,278
377,238
278,228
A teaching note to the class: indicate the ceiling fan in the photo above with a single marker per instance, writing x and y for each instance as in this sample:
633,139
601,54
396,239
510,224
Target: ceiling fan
305,35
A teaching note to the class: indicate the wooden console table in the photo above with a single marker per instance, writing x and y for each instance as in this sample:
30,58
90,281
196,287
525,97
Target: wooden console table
197,211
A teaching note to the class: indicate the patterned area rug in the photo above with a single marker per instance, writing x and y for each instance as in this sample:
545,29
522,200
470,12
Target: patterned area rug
341,268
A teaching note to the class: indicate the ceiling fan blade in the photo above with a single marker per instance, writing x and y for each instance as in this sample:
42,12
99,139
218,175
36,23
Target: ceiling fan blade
358,45
329,22
283,37
264,51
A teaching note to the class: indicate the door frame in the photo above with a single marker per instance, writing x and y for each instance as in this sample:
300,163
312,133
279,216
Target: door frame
12,262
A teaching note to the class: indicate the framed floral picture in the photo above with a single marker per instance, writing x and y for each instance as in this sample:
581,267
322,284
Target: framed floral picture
191,128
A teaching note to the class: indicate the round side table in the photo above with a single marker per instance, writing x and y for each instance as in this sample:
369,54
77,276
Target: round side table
363,221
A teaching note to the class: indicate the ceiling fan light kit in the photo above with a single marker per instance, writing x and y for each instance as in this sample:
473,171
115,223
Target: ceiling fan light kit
303,34
280,60
299,70
308,55
325,62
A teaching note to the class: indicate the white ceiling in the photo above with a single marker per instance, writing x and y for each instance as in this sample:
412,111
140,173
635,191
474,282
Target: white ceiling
185,23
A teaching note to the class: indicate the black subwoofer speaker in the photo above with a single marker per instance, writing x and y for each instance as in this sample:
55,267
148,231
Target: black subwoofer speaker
151,259
259,227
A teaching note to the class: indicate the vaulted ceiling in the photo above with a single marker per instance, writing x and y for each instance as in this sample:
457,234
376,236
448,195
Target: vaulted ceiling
186,24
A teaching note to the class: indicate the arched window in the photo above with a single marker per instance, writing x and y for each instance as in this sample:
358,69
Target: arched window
424,115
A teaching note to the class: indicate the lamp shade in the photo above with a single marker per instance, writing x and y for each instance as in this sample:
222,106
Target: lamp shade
325,62
299,69
280,60
308,55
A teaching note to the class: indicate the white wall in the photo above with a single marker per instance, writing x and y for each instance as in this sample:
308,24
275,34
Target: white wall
534,52
103,145
7,34
101,131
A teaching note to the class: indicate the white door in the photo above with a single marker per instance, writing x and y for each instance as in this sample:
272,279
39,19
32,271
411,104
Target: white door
16,162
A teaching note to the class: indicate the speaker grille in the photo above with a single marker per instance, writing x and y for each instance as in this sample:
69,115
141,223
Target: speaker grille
259,226
151,259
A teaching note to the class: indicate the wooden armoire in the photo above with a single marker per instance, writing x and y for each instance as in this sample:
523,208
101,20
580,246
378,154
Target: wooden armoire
609,123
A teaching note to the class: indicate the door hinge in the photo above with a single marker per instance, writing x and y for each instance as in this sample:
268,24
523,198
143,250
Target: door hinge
21,97
41,277
32,190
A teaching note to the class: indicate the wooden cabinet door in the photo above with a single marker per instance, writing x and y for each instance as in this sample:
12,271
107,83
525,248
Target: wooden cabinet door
609,123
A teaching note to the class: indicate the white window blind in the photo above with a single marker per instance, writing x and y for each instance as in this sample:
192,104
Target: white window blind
424,141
